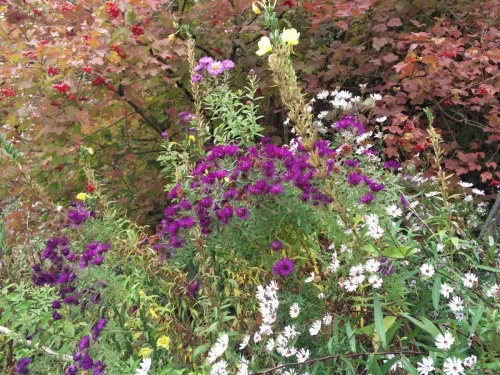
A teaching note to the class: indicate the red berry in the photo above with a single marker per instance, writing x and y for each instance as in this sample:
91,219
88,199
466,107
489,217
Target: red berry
112,10
137,30
61,87
98,81
71,97
90,187
87,69
53,71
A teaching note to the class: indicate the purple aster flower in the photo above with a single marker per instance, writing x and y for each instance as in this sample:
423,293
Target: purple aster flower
176,242
231,194
22,366
354,178
404,202
84,342
258,188
197,68
173,192
99,368
228,64
98,327
268,169
56,316
185,204
215,68
197,78
351,163
224,214
283,267
164,135
56,304
206,202
87,362
187,222
97,261
275,245
374,187
205,61
329,165
242,213
71,370
184,117
275,189
392,164
193,288
77,356
78,217
367,198
386,268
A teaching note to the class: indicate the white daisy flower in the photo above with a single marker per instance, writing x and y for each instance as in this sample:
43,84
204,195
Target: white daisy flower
294,310
327,320
465,184
270,345
323,94
321,296
302,355
494,291
244,342
376,97
220,368
394,211
281,340
427,270
372,266
310,278
243,370
257,337
478,192
468,198
375,232
396,365
432,194
446,290
350,285
439,247
376,281
426,366
290,352
459,316
469,280
456,304
322,114
371,220
261,293
453,366
315,328
265,330
290,332
144,367
356,273
272,288
381,119
470,361
445,341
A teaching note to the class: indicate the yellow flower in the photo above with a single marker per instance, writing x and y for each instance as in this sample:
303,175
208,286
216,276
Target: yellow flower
264,46
191,138
145,352
163,342
91,151
171,37
81,196
153,312
290,36
255,8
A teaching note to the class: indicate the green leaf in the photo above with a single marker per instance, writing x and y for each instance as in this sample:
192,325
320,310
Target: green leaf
373,367
379,322
491,269
200,350
351,337
477,317
408,366
435,292
425,324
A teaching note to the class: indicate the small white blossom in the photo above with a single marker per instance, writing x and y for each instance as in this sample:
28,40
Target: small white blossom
219,368
445,341
243,370
439,247
478,192
315,328
376,97
376,281
470,361
394,211
257,337
290,332
302,355
356,273
456,304
494,291
459,316
270,345
427,270
244,342
453,366
465,184
375,232
322,114
294,310
323,94
327,320
144,367
469,280
446,290
350,285
310,278
281,340
321,296
426,366
371,220
396,365
290,352
432,194
372,266
381,119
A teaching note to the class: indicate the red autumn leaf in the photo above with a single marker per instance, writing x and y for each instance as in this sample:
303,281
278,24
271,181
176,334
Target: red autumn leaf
394,22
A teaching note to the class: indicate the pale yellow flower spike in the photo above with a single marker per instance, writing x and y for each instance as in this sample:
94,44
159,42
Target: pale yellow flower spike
290,36
145,352
255,8
264,46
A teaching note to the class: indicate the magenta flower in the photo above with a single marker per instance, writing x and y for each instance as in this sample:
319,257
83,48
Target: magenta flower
228,64
392,164
215,68
275,245
283,267
197,78
84,342
205,61
367,198
99,368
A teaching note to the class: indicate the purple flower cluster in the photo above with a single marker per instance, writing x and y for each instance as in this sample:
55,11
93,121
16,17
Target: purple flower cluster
392,164
62,272
78,216
283,267
22,366
184,117
82,358
257,173
386,268
213,67
275,245
355,179
349,122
